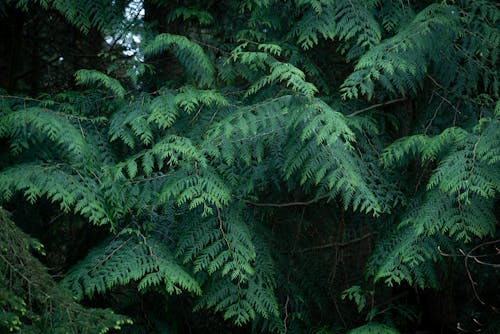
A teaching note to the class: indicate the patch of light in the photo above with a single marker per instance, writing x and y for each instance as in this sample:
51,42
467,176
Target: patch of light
135,10
128,52
130,41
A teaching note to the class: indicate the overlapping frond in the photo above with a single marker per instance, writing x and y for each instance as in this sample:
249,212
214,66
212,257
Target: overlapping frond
399,64
190,54
298,143
125,260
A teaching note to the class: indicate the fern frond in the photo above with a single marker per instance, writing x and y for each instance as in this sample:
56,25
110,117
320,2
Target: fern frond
316,22
403,255
325,157
442,214
400,63
191,99
430,149
243,283
203,188
280,72
60,184
163,111
34,125
284,72
351,22
190,54
355,21
463,174
219,245
374,328
89,77
168,152
468,162
202,16
121,261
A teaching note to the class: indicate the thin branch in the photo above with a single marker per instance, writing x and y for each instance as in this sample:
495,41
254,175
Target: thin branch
468,256
150,178
111,254
357,112
282,205
211,46
436,83
25,98
338,244
338,312
494,265
221,228
466,262
285,329
433,117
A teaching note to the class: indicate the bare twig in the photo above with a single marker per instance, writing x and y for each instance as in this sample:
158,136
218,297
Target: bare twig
469,255
211,46
338,244
357,112
466,262
25,98
221,228
111,254
282,205
285,329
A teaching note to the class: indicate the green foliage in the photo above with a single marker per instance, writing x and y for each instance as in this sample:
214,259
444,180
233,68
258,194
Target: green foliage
88,77
226,248
204,17
60,184
351,22
402,255
356,294
101,15
275,154
373,328
279,72
123,260
400,63
31,301
191,55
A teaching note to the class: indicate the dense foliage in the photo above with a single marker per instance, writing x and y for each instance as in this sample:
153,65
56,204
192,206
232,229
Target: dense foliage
249,166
